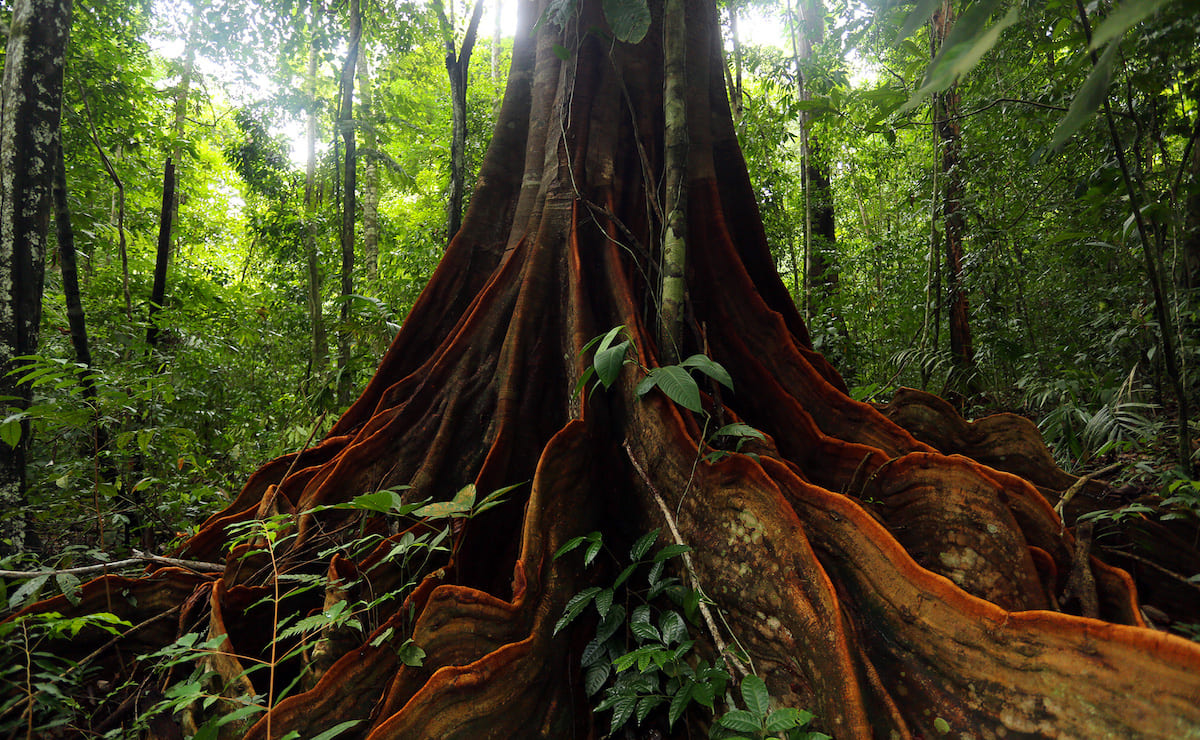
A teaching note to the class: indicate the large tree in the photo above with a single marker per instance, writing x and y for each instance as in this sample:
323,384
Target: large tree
884,585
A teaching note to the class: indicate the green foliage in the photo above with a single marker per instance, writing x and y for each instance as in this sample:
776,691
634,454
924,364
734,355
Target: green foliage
647,661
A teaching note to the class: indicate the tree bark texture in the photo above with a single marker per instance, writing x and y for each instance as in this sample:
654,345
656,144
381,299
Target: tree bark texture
458,63
349,199
954,220
31,100
158,292
872,578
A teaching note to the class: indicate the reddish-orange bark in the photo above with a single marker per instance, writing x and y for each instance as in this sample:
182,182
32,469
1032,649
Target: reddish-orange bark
871,578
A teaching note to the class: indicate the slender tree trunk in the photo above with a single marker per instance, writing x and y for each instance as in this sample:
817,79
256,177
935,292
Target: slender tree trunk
457,66
158,293
30,108
349,200
735,92
675,123
953,217
65,234
370,178
319,352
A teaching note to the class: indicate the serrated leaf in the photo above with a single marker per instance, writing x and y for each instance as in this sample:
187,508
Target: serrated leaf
604,601
1088,100
622,711
655,572
640,625
593,653
782,719
68,583
609,361
576,605
28,589
739,720
624,574
711,368
672,627
643,544
755,696
595,677
677,385
592,551
647,705
679,703
628,19
1123,18
569,545
610,625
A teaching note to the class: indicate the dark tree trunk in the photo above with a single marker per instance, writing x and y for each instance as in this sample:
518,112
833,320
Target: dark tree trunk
872,579
349,202
158,292
457,66
954,219
30,108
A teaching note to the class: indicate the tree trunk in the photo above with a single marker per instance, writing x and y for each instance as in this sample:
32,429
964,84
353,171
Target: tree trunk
65,234
676,117
457,66
158,293
30,108
954,219
319,352
883,585
349,201
370,179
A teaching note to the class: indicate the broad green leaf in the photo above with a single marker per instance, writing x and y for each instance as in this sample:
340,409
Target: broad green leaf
647,705
593,549
1088,99
941,725
675,382
576,605
673,628
459,506
754,694
609,361
569,545
381,501
711,368
593,653
68,583
411,654
642,545
10,429
1123,18
628,19
782,719
622,711
916,18
670,551
679,703
964,46
739,720
604,601
595,676
639,624
739,430
28,588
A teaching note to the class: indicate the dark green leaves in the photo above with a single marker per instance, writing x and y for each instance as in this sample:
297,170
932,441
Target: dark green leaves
1087,100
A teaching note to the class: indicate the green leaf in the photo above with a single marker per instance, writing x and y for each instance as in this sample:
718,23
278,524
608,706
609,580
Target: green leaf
604,601
570,545
642,545
337,729
10,429
459,506
782,719
624,574
673,628
675,382
941,725
411,654
593,549
380,501
1088,100
738,429
670,551
739,720
562,52
639,624
964,46
647,705
916,18
679,703
28,589
595,676
69,585
593,653
622,711
576,605
1123,18
711,368
755,696
628,19
609,361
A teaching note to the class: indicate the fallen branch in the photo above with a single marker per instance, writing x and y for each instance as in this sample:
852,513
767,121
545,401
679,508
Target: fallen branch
138,557
1078,485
